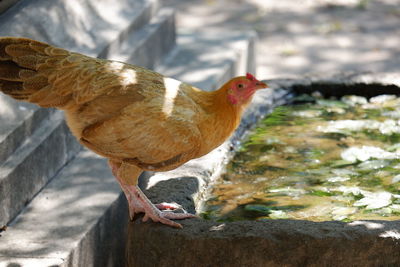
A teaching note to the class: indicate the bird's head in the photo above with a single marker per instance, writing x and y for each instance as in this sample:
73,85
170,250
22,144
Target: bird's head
241,89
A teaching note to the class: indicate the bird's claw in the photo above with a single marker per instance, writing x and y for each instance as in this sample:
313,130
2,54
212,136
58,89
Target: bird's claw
135,207
139,203
166,216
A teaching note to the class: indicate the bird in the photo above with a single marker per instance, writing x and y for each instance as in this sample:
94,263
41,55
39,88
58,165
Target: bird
138,119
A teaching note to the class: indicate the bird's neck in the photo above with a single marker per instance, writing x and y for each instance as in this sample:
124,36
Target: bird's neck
221,120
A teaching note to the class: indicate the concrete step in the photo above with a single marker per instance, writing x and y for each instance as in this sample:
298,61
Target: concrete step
85,26
17,121
148,45
209,58
80,217
34,163
72,221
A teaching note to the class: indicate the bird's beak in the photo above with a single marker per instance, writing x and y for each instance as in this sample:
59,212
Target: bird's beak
261,85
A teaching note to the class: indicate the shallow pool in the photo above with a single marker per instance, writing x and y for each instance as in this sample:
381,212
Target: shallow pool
316,159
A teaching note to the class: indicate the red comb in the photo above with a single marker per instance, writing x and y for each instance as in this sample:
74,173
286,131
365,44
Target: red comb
250,77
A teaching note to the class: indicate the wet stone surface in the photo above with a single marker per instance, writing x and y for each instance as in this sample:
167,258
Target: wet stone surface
317,159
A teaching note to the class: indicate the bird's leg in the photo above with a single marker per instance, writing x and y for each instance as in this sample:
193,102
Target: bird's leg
137,200
134,205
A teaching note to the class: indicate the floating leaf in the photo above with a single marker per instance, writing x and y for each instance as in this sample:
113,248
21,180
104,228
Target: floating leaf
336,179
374,200
320,193
341,163
344,172
373,164
331,103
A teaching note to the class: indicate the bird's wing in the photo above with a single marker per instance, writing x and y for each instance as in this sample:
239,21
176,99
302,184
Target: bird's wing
53,77
143,135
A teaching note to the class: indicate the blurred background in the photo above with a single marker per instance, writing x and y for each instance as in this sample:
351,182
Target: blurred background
306,36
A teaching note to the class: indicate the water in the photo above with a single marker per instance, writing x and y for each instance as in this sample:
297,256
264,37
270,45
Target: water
318,160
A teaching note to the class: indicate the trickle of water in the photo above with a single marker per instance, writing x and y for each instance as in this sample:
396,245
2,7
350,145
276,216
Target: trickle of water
321,160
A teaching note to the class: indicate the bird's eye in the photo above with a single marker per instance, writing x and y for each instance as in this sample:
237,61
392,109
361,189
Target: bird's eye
240,86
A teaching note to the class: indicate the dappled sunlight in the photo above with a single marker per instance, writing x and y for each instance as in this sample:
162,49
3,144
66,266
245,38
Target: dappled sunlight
114,66
195,76
171,91
324,36
83,26
112,13
219,227
126,75
173,187
289,5
7,108
66,207
205,68
155,179
367,224
11,110
394,234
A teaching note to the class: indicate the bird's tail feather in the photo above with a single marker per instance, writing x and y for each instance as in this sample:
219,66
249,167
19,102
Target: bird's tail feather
24,71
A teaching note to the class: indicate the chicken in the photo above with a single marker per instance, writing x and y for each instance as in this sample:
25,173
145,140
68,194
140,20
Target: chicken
136,118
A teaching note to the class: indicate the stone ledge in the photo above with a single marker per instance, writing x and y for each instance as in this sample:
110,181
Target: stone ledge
268,243
367,84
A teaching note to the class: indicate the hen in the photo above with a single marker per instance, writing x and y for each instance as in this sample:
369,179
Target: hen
137,118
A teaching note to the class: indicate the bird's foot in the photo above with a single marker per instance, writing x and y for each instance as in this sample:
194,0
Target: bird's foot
138,202
166,216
